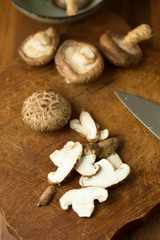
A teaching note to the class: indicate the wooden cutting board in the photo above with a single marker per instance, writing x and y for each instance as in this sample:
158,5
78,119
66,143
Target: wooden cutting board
24,158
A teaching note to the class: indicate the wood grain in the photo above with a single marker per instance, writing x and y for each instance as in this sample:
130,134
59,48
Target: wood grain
33,166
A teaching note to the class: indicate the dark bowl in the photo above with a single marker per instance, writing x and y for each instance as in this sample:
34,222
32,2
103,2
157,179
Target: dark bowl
44,11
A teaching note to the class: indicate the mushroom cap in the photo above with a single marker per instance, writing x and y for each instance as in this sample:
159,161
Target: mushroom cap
48,55
122,57
46,110
66,55
62,3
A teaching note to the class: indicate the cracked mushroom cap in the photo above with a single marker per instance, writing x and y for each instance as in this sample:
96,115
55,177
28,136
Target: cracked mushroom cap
117,53
46,110
62,3
79,62
38,49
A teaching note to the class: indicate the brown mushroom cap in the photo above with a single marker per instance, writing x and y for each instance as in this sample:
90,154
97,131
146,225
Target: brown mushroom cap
62,3
117,54
79,69
46,110
53,39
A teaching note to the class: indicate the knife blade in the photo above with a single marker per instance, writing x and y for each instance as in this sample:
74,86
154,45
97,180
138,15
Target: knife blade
147,112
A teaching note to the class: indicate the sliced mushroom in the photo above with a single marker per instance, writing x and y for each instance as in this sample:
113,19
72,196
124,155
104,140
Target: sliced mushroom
46,110
86,166
65,159
76,125
123,50
79,62
106,176
102,149
38,49
88,128
103,134
115,160
82,200
71,6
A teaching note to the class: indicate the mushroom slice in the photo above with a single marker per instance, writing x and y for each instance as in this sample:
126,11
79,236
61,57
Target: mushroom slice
38,49
102,149
106,176
82,200
86,166
76,125
89,126
123,50
103,134
115,160
79,62
65,159
86,126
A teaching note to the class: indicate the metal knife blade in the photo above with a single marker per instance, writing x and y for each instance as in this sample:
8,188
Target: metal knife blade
145,111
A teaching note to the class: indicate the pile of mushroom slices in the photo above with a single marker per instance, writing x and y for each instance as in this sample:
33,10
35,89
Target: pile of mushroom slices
96,176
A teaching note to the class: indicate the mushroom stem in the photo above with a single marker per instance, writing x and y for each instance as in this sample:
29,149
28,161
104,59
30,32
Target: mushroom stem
72,8
87,54
140,33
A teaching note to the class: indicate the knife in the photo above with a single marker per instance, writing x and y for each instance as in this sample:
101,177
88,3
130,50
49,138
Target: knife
145,111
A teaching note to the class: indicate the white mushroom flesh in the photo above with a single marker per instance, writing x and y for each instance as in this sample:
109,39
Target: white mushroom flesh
65,159
115,160
81,59
103,134
76,125
89,126
38,45
82,200
106,176
86,166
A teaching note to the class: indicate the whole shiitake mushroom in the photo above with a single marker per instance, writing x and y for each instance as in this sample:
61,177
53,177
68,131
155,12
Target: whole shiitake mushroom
39,49
46,110
123,50
79,62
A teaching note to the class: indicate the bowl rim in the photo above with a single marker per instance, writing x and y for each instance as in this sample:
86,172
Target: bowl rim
51,17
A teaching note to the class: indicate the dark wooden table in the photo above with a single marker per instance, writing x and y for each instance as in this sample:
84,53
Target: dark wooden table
14,27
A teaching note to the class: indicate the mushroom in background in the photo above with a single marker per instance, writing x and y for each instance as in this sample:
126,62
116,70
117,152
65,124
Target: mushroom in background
123,51
79,62
71,6
38,49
